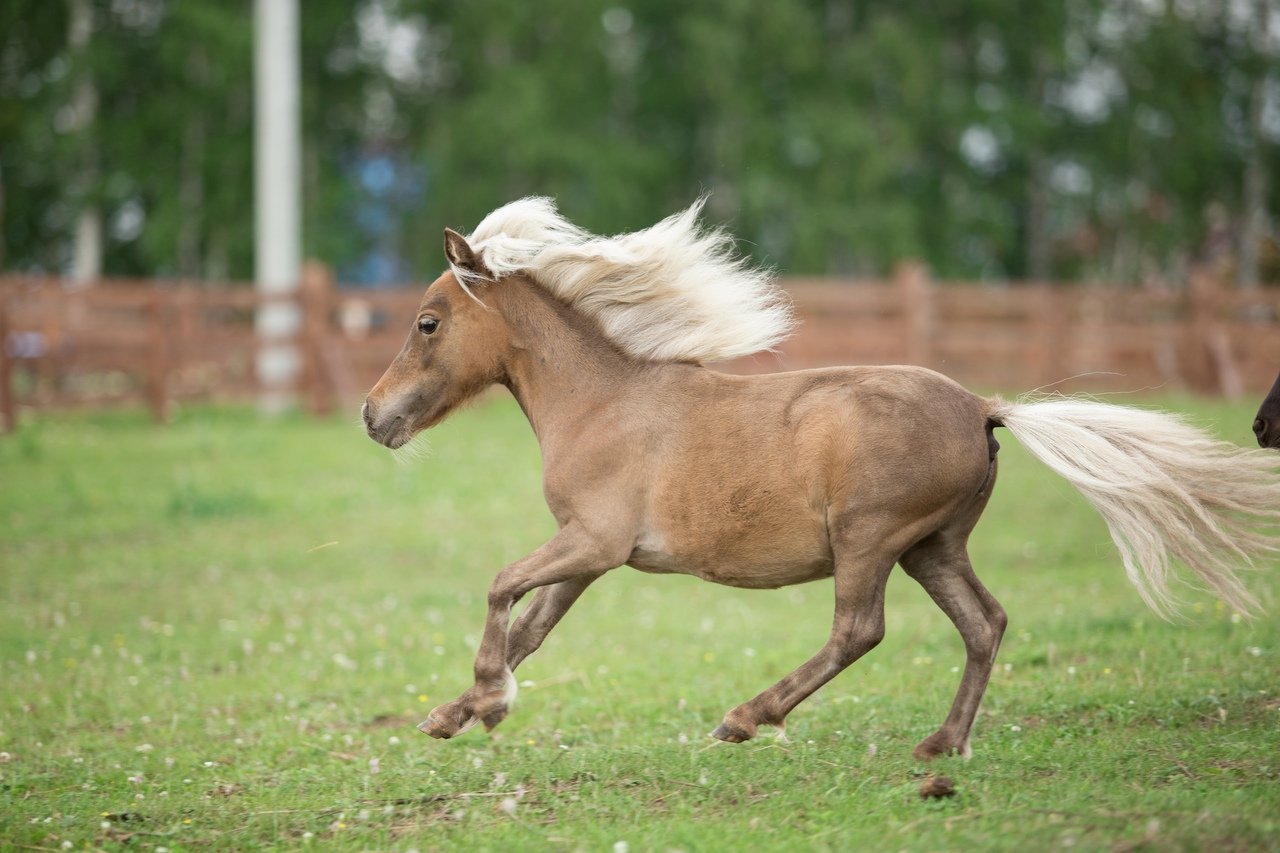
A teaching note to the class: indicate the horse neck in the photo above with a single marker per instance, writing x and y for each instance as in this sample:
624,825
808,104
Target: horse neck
559,363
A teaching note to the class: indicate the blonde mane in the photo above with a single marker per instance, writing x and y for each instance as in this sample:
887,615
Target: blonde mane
672,292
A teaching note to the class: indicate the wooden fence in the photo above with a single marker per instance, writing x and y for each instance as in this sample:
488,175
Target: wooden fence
157,343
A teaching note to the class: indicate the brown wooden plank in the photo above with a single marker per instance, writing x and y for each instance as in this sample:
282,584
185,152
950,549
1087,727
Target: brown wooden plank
8,403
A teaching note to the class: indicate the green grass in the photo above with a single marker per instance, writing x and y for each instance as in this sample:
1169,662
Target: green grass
220,635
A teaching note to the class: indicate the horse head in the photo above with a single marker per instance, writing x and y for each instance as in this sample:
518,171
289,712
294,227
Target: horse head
455,349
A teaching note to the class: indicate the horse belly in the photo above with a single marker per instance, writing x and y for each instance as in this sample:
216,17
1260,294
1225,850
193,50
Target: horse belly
764,558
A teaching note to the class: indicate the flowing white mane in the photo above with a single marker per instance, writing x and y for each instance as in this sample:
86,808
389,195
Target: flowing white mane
672,292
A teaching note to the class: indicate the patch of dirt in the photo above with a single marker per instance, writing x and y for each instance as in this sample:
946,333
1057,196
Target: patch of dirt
937,787
391,721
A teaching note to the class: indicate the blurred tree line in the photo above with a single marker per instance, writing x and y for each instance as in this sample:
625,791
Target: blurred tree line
1112,139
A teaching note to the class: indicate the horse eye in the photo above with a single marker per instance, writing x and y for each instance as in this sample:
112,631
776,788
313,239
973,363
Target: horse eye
428,325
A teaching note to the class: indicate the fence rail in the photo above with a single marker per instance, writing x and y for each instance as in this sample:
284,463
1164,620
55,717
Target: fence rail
157,343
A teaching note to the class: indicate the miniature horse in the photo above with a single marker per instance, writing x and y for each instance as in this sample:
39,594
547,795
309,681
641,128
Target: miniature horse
653,461
1266,426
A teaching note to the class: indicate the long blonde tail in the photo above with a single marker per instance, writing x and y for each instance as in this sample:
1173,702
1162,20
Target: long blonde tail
1166,490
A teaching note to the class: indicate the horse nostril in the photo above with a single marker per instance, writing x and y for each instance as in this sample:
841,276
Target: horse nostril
1260,430
366,412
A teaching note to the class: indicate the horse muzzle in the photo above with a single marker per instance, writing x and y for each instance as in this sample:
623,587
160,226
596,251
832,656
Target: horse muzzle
387,428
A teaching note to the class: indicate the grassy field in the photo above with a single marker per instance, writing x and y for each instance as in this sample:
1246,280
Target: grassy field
221,634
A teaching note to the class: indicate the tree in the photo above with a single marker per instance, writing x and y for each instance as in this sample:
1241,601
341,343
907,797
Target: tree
992,139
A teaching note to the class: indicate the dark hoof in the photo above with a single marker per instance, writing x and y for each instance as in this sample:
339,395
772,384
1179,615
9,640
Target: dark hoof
936,745
731,734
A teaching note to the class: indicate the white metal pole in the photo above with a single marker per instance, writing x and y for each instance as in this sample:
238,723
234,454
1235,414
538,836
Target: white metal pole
86,261
277,197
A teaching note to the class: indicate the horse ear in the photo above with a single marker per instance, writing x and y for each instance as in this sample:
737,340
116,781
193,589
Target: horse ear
461,255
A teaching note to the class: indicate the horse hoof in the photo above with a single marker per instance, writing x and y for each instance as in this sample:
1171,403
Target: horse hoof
435,728
925,752
730,734
936,745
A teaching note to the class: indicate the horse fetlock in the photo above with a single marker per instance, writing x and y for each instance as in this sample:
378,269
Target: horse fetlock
494,717
491,707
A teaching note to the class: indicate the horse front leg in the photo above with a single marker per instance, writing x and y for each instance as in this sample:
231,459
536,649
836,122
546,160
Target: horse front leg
570,560
549,605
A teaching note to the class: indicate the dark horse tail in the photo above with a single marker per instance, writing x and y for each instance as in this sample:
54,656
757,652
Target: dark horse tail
1166,490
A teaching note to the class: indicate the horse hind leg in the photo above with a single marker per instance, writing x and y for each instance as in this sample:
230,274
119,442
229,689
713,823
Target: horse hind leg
941,565
857,628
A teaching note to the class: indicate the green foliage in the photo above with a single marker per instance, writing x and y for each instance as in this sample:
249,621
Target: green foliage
220,634
994,138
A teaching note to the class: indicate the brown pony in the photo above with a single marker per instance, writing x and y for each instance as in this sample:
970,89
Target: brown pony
1266,425
654,461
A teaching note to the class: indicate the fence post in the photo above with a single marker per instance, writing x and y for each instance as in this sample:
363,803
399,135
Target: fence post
1045,364
49,368
8,406
158,356
317,303
912,281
